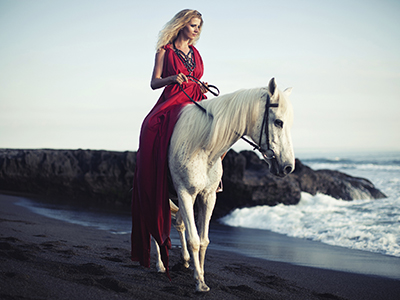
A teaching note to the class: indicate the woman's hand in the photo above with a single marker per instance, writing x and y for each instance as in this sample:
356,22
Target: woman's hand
203,88
180,78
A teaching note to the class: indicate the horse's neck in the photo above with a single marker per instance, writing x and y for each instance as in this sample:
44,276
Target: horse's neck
241,110
235,115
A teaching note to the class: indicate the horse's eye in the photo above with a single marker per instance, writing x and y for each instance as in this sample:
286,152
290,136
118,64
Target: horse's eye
278,123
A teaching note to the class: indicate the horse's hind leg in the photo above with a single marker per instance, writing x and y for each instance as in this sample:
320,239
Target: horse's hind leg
205,208
159,265
180,227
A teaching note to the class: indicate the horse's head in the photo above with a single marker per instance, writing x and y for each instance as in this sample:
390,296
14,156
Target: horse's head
273,130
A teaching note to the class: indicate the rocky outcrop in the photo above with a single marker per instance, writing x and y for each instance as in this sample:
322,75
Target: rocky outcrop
101,176
106,177
334,183
247,182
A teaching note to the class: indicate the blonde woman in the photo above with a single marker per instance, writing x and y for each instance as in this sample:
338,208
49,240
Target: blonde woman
176,58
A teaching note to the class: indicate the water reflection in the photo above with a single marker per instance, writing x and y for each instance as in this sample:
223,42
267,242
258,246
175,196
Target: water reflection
272,246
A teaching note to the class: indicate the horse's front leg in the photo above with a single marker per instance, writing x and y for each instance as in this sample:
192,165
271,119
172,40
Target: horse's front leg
186,211
205,208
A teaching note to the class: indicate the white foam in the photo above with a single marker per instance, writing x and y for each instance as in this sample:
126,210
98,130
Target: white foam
362,224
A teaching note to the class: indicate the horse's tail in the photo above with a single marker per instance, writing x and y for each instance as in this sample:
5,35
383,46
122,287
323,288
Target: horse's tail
174,208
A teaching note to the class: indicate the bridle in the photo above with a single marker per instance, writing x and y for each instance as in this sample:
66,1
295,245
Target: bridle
267,153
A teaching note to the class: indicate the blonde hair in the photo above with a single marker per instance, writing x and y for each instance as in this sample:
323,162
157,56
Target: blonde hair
171,30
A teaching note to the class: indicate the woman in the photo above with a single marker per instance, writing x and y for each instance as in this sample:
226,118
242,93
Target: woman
176,58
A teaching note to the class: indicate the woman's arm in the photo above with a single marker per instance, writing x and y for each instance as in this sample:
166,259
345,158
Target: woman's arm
156,80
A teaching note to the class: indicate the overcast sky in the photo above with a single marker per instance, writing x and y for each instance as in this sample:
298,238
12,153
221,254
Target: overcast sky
76,74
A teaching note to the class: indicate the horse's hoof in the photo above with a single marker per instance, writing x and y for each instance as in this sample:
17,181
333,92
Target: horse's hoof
160,268
185,258
202,287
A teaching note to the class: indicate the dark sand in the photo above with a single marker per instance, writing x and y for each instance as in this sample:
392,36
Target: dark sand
43,258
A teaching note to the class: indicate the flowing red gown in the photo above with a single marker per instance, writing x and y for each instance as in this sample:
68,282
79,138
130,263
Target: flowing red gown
151,213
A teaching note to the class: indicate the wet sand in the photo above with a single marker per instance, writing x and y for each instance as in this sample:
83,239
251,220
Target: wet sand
44,258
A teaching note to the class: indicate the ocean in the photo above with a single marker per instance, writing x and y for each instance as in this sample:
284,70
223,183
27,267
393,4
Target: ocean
361,236
368,225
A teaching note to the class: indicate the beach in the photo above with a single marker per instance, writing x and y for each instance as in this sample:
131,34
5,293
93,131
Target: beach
45,258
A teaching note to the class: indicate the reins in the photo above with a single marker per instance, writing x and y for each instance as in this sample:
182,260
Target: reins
194,79
267,153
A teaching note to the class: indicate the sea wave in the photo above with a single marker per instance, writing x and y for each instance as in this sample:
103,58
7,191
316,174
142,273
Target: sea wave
367,161
318,165
368,225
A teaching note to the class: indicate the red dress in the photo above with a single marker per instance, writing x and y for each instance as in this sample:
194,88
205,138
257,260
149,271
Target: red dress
150,202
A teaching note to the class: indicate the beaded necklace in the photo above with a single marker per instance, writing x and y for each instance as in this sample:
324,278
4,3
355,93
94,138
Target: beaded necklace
187,60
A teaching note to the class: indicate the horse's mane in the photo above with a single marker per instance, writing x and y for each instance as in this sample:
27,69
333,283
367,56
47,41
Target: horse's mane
230,115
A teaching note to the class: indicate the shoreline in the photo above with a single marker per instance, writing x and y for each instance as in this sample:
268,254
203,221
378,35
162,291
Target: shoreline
250,242
272,246
43,258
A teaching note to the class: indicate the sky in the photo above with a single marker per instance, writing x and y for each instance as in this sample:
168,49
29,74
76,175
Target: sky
76,74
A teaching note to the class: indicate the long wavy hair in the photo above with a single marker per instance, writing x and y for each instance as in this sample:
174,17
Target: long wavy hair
171,30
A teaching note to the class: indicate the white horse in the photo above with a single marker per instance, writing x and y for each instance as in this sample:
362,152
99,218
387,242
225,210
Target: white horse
197,144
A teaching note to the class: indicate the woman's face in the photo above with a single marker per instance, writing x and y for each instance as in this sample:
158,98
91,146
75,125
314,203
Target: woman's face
192,29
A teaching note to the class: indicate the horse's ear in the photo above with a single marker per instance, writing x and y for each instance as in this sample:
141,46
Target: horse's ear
272,87
288,91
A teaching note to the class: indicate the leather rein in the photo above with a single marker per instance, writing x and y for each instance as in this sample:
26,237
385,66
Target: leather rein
267,153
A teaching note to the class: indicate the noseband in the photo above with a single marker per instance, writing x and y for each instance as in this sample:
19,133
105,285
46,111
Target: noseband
267,153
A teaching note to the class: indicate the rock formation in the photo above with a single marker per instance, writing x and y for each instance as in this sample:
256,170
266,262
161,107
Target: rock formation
105,177
247,182
100,176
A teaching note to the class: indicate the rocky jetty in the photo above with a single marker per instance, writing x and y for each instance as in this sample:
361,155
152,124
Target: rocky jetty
88,175
105,177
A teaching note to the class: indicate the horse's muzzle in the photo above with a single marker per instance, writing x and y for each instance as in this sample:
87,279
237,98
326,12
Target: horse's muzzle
279,170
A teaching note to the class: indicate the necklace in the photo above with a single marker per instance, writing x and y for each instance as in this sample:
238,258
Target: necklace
187,60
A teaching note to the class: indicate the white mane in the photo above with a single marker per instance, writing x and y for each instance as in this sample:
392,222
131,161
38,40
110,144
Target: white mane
230,113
